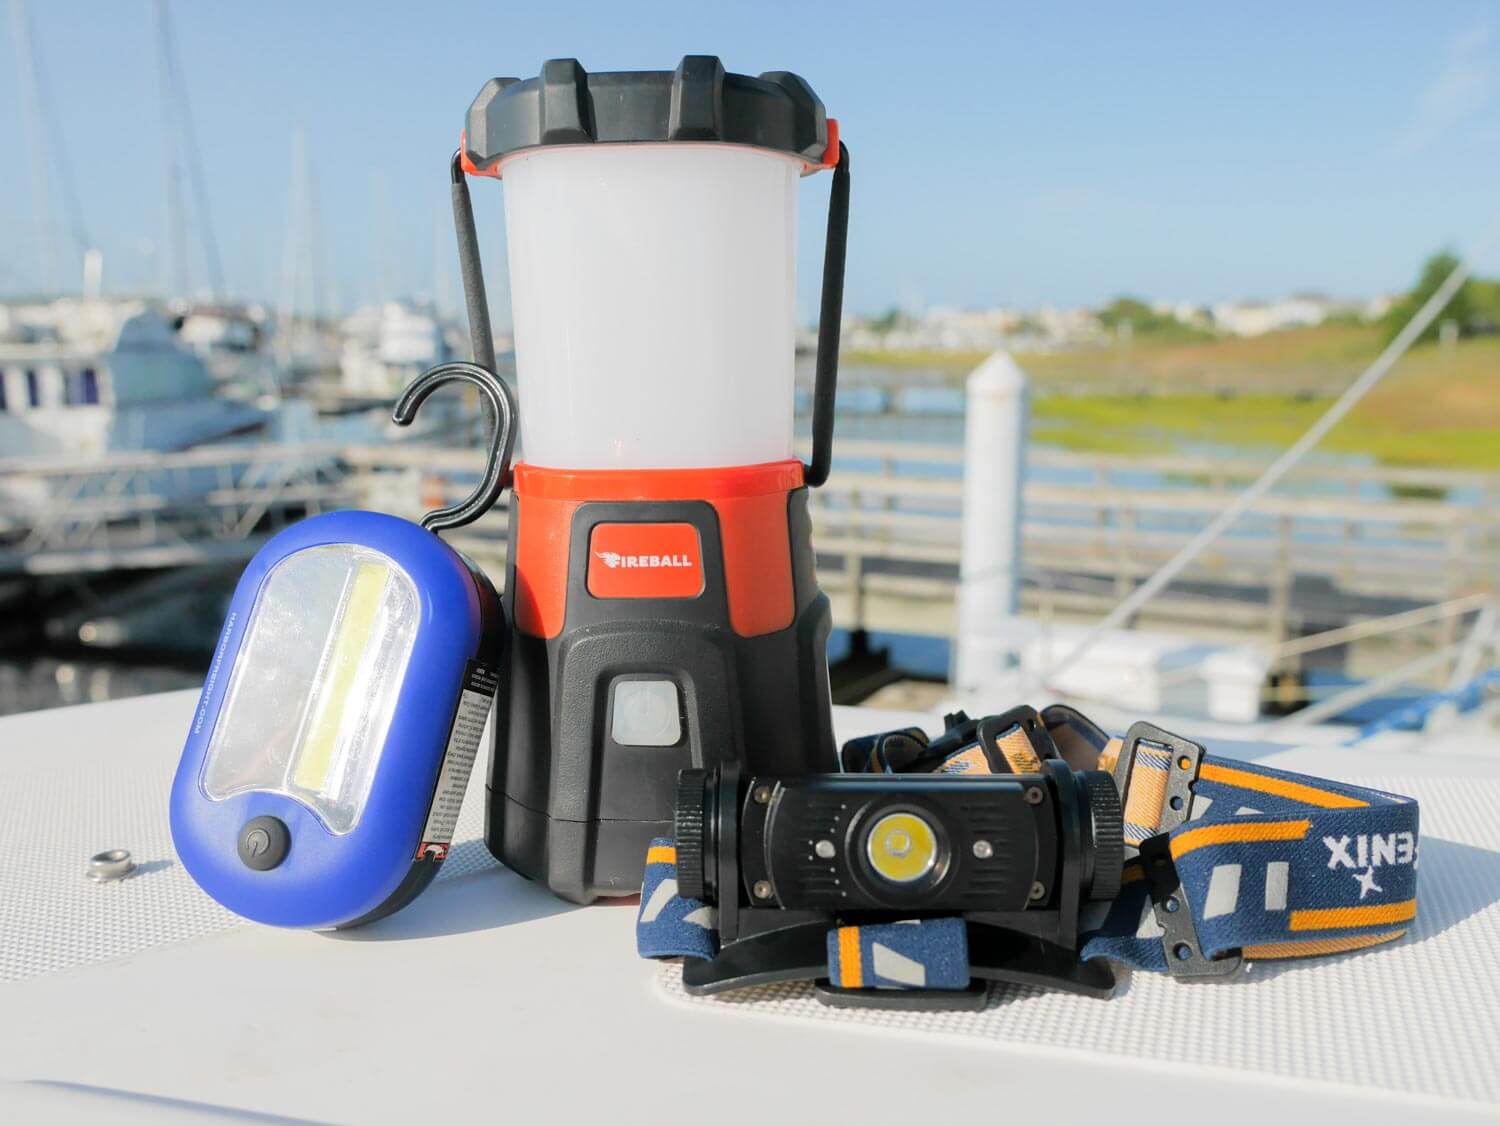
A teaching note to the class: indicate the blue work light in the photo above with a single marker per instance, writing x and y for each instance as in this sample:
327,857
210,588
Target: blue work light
323,775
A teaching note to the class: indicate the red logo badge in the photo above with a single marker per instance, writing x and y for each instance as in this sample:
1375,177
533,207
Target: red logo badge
645,561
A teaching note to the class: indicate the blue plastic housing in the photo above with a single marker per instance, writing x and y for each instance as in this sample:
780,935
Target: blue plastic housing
328,880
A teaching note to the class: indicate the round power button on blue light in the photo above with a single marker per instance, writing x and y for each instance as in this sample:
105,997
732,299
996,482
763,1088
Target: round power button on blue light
263,843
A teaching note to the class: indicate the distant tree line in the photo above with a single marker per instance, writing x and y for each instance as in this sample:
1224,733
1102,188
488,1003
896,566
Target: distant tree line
1475,308
1146,321
892,318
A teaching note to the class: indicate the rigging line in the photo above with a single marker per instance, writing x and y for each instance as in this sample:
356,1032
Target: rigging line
324,278
294,259
31,123
184,112
176,236
1352,697
1484,634
1273,473
47,113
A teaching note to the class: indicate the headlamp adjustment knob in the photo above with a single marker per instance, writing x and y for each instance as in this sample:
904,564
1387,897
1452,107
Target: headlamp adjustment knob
1108,833
687,832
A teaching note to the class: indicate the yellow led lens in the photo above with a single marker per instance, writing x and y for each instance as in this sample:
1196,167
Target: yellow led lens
347,651
902,847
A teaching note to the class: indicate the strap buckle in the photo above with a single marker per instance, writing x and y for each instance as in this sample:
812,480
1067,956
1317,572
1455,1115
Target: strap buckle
1155,773
1186,960
1015,741
1017,738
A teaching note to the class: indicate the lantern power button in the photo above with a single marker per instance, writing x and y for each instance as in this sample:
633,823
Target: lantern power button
263,843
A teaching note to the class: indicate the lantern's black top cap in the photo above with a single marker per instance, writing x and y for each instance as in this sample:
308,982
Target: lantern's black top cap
699,101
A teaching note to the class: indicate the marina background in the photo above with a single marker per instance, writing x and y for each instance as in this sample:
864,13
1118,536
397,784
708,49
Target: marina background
1188,261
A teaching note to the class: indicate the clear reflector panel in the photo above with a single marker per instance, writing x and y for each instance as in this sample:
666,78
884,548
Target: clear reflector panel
311,695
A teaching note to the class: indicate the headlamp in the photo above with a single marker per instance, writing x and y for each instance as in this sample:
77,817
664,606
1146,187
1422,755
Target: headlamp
783,860
1024,847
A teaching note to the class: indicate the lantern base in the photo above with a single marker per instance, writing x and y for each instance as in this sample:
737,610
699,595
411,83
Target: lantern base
652,636
579,861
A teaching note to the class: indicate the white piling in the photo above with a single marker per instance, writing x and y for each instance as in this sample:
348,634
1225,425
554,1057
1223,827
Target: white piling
987,639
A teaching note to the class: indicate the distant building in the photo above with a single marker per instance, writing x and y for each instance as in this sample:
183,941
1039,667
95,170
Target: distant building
1050,328
1187,312
1066,328
974,330
1256,318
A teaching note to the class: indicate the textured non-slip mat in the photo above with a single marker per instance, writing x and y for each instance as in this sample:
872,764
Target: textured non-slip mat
52,917
1421,1017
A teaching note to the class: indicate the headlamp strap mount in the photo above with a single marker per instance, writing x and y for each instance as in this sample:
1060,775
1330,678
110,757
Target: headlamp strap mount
1285,866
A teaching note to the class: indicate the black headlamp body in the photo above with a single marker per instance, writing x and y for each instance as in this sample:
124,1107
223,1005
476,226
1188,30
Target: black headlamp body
783,860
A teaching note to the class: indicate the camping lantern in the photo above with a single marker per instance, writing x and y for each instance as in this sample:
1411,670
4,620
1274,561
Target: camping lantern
322,778
661,587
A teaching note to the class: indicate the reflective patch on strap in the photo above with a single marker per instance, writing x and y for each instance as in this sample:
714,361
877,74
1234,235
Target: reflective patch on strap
911,954
668,925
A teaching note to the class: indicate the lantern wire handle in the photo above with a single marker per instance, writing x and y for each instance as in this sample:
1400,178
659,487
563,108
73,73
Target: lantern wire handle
502,440
825,385
481,341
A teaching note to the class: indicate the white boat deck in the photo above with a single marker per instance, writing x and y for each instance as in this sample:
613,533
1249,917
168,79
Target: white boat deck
488,1000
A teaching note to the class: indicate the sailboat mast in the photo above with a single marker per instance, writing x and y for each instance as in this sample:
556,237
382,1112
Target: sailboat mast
41,189
177,281
181,146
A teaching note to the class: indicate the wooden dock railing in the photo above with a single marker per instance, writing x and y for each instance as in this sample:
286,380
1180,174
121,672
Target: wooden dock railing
1334,545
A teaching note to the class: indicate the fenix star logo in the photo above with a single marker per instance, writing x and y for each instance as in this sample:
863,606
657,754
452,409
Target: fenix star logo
1369,852
614,560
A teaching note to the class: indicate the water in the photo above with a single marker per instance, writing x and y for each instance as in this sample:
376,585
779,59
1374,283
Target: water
33,683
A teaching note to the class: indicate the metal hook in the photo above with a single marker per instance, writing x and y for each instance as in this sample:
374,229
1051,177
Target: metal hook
497,468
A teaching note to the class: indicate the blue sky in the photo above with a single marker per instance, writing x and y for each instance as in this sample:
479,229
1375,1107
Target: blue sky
1003,153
